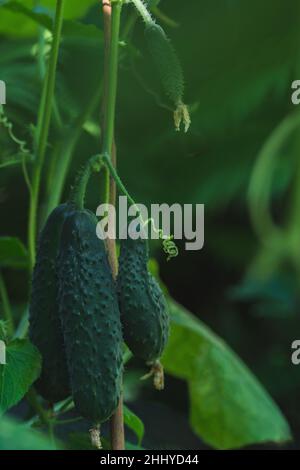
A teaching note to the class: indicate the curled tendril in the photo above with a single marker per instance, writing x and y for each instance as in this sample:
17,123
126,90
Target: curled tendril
9,126
169,246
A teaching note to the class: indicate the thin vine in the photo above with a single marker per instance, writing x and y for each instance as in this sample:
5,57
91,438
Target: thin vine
43,129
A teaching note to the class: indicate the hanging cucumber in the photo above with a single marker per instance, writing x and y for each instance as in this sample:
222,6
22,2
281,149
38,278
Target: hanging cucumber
90,318
143,307
166,62
45,328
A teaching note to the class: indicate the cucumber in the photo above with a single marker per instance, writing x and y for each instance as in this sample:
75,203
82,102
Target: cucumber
169,68
45,328
90,318
142,304
166,62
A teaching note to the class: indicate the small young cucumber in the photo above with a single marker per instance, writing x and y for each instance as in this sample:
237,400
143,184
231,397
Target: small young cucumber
90,318
166,62
143,307
45,328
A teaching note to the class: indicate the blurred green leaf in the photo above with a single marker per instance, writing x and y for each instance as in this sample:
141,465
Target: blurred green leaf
21,24
132,384
130,446
277,289
19,71
228,406
246,51
13,253
17,436
70,28
3,330
261,181
80,441
134,423
275,297
22,368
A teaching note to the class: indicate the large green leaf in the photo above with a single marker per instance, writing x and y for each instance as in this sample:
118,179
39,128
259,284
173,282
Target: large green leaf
17,436
20,25
228,406
13,253
44,18
22,368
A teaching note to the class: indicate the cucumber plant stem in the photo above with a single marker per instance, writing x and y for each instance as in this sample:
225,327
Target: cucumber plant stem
106,7
112,77
111,15
117,179
33,400
43,129
79,190
42,71
78,193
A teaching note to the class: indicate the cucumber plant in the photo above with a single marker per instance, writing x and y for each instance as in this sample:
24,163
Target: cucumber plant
75,319
78,302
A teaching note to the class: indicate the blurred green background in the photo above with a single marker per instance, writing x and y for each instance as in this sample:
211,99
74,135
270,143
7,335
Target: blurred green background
240,158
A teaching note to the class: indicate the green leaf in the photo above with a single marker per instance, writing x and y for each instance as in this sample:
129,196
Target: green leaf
13,24
228,406
134,423
17,436
3,329
80,441
13,254
22,368
44,19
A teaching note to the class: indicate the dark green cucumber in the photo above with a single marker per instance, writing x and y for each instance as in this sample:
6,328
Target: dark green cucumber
45,328
90,318
143,307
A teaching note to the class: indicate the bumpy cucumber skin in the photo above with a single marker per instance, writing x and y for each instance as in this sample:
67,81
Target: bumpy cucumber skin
45,327
90,318
166,61
144,314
